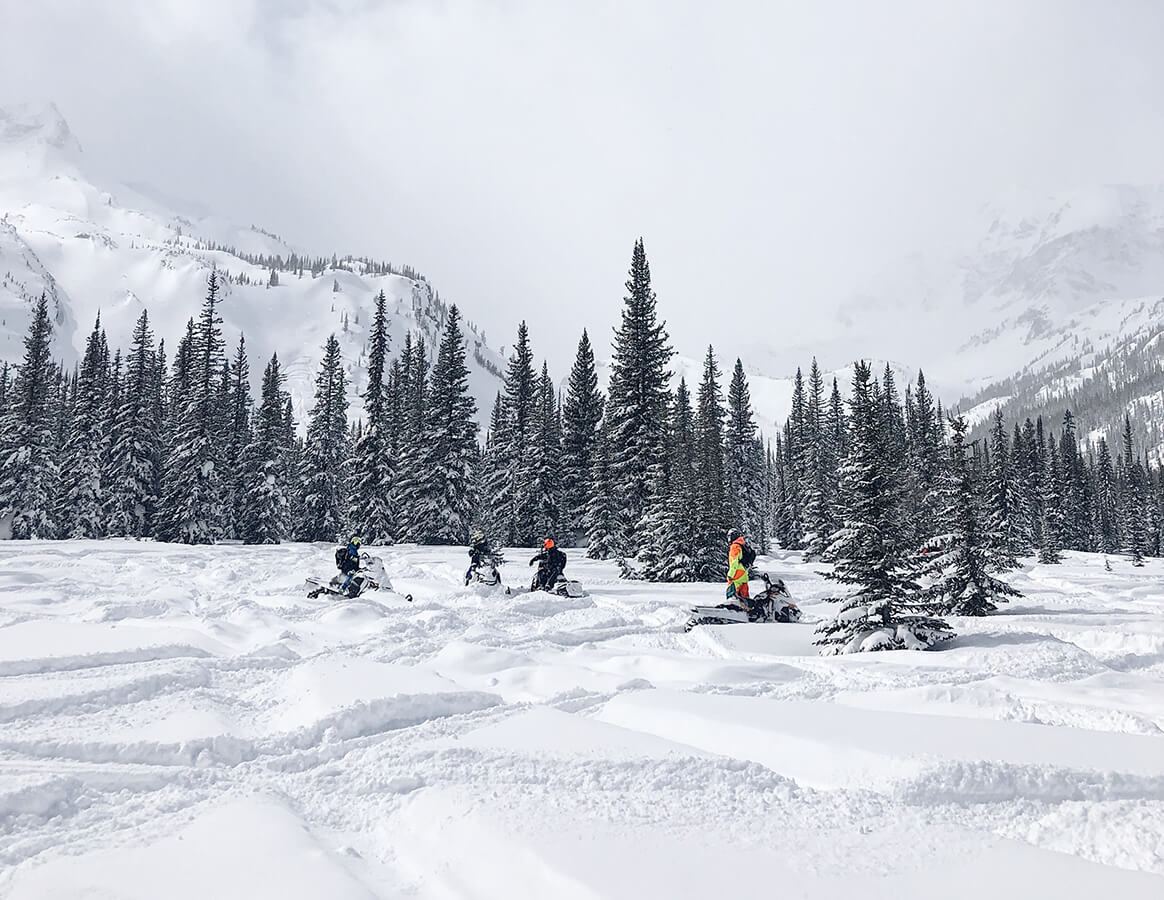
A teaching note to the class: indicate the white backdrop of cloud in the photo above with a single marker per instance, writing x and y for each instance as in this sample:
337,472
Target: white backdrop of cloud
773,155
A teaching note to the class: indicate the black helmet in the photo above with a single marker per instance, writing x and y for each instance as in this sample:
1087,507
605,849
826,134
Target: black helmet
733,534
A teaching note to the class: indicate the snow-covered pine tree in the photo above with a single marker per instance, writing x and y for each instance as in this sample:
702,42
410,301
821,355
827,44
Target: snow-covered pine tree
710,498
792,530
82,512
325,452
409,484
924,462
1134,518
962,560
1107,501
1052,526
263,507
495,511
192,488
545,451
238,437
513,506
743,463
1002,526
884,611
446,501
135,456
601,508
581,416
372,459
820,481
636,409
28,468
669,537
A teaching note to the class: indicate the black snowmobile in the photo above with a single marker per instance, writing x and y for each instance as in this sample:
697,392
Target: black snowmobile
370,576
550,576
772,604
485,571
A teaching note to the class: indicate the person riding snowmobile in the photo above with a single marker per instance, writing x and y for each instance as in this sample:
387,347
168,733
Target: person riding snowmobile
740,559
347,560
481,553
551,564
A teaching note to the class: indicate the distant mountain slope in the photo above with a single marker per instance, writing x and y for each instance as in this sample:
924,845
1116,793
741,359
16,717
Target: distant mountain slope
120,250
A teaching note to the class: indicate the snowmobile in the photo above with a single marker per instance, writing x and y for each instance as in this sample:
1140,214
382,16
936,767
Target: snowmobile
486,571
772,604
561,586
370,576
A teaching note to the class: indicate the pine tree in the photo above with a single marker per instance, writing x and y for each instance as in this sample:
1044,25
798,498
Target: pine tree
238,436
792,531
263,508
1107,501
544,453
371,513
513,506
669,536
408,490
820,481
1003,521
135,459
82,513
711,505
192,493
884,611
602,508
742,463
961,561
28,469
325,452
1134,524
581,416
1052,525
446,501
495,511
636,408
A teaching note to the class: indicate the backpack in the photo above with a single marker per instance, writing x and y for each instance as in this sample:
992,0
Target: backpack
747,556
341,557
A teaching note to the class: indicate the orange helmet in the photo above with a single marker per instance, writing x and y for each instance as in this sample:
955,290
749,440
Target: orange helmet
547,543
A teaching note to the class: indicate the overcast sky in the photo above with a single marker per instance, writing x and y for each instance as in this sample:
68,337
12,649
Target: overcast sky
772,155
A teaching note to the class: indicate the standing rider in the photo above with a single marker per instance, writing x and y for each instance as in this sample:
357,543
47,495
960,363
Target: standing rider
551,564
740,559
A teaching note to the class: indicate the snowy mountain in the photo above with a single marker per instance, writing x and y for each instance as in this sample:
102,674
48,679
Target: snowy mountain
1047,301
119,249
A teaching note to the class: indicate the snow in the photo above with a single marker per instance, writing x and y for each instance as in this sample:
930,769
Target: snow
184,722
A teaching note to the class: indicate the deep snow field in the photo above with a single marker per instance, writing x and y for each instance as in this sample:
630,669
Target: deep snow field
184,723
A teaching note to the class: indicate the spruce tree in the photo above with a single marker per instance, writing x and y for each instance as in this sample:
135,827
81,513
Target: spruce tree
961,561
636,408
82,513
1051,528
28,469
238,436
263,508
514,505
669,536
710,502
373,457
1003,528
884,611
1134,518
408,489
135,459
602,508
581,415
325,452
192,493
742,463
495,512
446,500
544,453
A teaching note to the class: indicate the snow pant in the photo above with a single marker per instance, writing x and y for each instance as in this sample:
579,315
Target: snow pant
544,579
